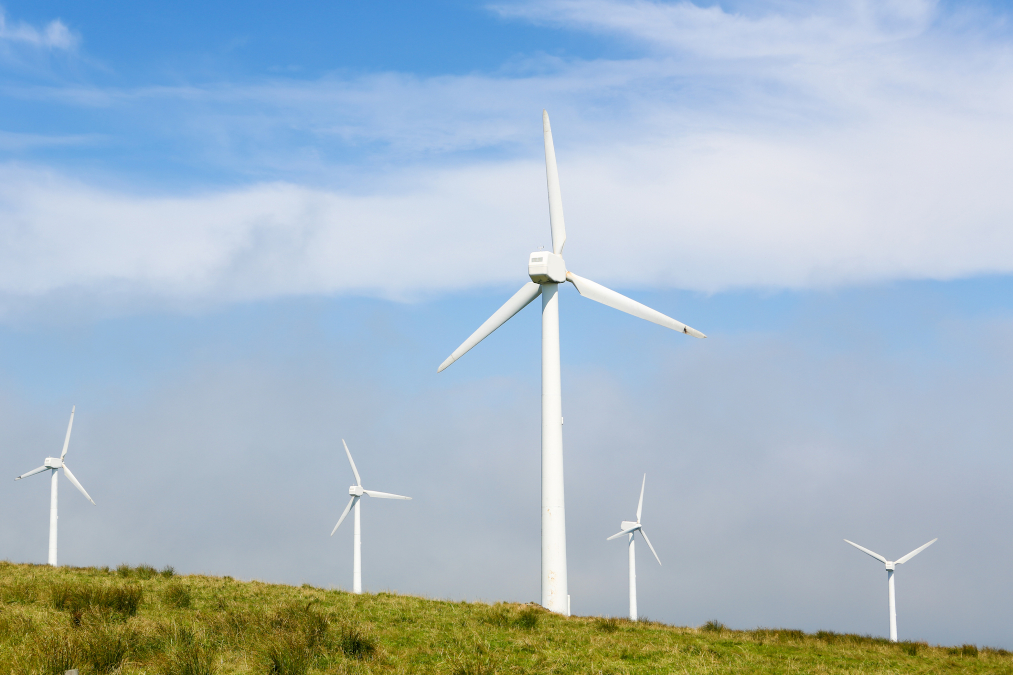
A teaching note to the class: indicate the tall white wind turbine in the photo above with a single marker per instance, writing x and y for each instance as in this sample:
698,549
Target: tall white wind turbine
630,528
356,491
890,567
547,271
55,464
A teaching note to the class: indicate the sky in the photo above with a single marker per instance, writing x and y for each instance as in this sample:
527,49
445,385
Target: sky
233,235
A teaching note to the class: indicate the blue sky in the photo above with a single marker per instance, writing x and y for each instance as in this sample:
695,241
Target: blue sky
234,235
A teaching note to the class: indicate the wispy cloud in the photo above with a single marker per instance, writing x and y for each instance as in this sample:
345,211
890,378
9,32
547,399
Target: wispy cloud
14,142
763,29
54,35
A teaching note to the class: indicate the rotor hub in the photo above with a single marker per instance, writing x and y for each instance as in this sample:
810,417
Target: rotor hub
546,267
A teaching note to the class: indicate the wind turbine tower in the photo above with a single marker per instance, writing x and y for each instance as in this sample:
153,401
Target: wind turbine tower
630,528
357,491
890,567
547,271
55,464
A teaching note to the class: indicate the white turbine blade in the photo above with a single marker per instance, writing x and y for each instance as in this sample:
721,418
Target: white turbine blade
555,200
605,296
383,495
344,513
644,535
627,531
72,479
640,506
519,301
917,551
865,550
32,472
354,470
66,441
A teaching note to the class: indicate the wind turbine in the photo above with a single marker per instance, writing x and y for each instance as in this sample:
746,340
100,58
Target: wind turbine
547,271
631,528
53,464
356,491
890,567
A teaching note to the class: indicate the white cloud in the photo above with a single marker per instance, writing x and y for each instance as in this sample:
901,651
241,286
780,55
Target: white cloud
10,141
54,35
761,29
262,241
809,146
708,212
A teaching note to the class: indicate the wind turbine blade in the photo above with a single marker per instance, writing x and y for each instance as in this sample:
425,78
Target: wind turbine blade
32,472
644,535
552,178
383,495
640,506
72,479
344,513
519,301
354,470
66,441
917,551
605,296
619,534
865,550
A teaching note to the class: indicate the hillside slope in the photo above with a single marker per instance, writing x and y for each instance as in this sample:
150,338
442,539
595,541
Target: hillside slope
138,620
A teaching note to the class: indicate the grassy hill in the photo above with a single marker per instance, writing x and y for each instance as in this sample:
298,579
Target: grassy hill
139,620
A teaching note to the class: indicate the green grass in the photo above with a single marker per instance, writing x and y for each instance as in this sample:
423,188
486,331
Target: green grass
137,620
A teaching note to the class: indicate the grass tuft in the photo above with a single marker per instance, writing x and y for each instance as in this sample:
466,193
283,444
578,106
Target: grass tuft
145,572
608,624
76,598
713,626
187,653
287,656
177,595
121,599
168,572
15,625
475,668
356,644
528,617
58,654
21,592
302,621
100,648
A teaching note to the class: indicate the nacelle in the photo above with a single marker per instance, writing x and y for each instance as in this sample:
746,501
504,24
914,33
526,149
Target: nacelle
891,566
53,462
355,490
545,267
627,524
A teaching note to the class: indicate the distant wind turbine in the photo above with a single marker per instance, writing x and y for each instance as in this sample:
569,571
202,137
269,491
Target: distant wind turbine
630,528
890,566
356,491
547,271
53,464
